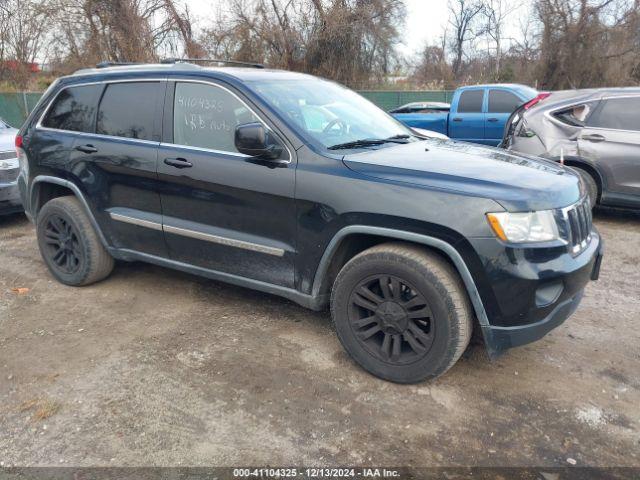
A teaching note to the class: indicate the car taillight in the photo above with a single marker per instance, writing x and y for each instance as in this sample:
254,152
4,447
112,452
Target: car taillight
18,141
541,96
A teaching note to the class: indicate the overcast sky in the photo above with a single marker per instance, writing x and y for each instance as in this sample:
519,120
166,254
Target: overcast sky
425,21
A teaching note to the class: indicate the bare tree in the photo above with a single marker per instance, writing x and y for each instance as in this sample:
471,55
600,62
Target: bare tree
22,34
582,41
463,17
351,41
184,25
496,13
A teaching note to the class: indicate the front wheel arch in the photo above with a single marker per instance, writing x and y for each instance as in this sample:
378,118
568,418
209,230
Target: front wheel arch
385,235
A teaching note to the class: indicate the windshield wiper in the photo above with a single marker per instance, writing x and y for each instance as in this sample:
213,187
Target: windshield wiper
402,136
368,142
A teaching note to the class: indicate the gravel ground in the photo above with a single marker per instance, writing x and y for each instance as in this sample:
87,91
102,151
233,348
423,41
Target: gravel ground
156,367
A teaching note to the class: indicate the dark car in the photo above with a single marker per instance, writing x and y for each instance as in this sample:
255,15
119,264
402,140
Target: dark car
9,195
297,186
596,132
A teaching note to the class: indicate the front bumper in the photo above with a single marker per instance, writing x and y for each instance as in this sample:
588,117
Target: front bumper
529,294
10,198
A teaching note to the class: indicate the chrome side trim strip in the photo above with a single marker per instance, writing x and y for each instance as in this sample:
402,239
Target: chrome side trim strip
135,221
206,150
207,237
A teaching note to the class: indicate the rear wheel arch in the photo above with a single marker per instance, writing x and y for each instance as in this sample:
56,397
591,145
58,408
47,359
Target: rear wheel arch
45,188
44,191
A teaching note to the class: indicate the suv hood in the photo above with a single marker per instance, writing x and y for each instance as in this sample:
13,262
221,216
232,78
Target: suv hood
518,182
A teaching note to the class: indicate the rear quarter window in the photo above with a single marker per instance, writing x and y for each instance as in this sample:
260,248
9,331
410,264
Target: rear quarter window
73,109
617,114
575,115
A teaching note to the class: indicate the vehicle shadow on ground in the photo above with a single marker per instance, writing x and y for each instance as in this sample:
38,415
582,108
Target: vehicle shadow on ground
620,215
13,220
217,290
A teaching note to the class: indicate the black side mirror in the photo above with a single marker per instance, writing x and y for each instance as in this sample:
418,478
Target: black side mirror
255,140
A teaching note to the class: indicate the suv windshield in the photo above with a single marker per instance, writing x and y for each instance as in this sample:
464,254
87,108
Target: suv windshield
329,113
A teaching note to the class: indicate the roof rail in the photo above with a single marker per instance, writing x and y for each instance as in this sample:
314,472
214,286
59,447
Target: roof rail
212,60
115,64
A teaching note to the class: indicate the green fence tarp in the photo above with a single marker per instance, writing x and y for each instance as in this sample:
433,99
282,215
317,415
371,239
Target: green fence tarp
14,107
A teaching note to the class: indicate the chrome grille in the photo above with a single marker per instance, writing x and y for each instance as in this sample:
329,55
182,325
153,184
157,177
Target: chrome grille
579,221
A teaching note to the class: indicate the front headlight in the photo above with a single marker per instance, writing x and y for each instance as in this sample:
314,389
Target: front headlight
524,227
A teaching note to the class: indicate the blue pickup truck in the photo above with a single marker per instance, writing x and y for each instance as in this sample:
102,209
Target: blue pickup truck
478,113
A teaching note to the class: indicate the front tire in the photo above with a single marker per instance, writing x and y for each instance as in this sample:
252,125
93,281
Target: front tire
69,244
401,312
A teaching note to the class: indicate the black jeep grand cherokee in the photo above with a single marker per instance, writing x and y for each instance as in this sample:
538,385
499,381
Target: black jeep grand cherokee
299,187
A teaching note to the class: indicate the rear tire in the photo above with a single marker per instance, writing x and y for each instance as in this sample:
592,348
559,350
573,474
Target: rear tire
590,184
401,312
69,244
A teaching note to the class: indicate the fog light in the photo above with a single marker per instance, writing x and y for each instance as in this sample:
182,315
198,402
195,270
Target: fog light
549,293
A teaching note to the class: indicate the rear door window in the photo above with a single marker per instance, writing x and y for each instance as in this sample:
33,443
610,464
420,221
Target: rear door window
128,110
206,116
617,114
501,101
471,101
73,109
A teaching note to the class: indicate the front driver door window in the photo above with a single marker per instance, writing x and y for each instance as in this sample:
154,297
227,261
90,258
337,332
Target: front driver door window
206,117
222,210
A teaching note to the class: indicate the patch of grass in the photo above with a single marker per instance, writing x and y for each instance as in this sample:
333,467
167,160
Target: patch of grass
41,408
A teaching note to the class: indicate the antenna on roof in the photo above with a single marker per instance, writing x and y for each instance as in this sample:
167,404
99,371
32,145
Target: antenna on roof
115,64
212,60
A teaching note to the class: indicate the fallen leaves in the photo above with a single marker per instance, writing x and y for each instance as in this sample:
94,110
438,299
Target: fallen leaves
41,408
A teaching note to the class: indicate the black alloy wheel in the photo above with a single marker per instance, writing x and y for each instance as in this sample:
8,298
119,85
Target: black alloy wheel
401,312
62,244
69,244
391,319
